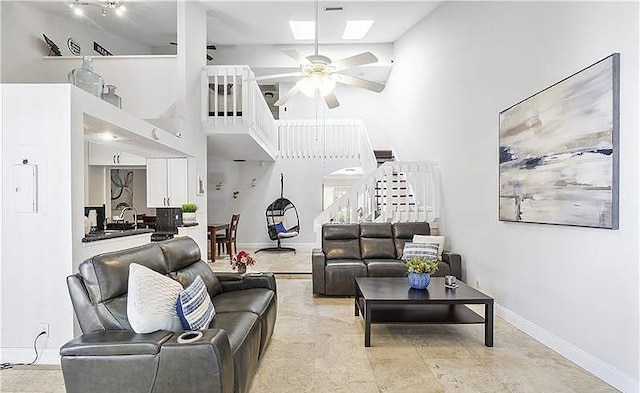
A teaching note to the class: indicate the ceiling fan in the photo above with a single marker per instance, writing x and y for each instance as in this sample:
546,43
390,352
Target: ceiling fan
320,74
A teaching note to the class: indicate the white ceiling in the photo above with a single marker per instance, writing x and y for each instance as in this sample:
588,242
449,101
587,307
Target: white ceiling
267,22
149,22
239,22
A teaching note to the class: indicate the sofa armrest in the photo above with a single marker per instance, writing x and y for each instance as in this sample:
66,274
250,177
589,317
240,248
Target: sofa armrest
455,262
205,365
109,361
236,282
318,262
116,342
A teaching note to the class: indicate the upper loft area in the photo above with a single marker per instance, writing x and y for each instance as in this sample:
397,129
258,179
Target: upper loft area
149,58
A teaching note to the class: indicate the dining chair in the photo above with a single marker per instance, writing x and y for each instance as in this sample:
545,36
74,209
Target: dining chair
229,237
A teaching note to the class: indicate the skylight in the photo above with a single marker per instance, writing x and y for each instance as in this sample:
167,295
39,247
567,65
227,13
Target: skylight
303,30
356,29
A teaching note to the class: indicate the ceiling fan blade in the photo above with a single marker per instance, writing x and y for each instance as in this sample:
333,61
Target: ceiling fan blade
287,96
357,82
331,100
297,56
275,76
355,61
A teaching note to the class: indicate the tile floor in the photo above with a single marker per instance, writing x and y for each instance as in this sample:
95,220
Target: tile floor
268,261
318,346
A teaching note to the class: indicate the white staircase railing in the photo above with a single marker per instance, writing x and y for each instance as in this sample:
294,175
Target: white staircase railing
326,139
230,102
396,191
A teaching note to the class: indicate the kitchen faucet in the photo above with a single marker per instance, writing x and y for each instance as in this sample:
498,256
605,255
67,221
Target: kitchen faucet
135,215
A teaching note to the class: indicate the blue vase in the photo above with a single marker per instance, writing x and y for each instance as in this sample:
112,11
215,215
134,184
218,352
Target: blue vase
419,280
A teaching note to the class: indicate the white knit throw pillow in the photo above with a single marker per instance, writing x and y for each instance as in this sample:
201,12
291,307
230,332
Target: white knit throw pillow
151,300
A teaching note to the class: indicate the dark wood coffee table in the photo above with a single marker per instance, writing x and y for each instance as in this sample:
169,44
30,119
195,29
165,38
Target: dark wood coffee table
392,300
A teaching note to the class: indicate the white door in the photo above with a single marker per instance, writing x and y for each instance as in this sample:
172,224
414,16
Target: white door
157,182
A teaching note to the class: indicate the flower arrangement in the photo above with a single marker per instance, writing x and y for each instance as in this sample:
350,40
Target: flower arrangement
418,264
241,260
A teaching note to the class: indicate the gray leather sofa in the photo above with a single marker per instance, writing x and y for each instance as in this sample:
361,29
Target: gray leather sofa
368,250
110,357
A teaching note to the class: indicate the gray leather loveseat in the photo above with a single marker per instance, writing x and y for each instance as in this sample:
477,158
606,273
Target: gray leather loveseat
110,357
368,250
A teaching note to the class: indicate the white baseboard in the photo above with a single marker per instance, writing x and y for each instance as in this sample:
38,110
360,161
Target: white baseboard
597,367
26,355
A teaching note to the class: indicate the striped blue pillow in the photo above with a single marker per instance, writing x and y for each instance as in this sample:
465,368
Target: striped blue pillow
426,250
194,306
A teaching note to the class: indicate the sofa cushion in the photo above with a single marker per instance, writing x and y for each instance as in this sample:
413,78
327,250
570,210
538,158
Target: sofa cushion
341,241
425,250
376,230
194,306
188,274
179,252
385,268
431,239
254,300
404,231
151,301
376,241
340,276
238,325
106,275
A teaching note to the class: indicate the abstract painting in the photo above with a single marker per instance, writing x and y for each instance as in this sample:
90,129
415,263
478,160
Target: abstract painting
559,151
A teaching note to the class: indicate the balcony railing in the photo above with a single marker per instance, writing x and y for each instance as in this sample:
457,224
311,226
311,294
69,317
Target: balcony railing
326,139
396,191
231,103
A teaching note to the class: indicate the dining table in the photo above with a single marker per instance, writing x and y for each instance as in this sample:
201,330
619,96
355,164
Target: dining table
213,229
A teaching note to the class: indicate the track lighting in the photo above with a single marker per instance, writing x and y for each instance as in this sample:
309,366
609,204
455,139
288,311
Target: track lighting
115,6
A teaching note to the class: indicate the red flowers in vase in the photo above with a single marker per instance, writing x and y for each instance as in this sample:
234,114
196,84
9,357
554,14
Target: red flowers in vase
241,260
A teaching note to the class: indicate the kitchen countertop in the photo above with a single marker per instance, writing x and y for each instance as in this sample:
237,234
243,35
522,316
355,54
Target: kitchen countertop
112,234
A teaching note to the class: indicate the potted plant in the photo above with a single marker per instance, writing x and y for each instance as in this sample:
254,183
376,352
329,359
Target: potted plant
189,213
420,270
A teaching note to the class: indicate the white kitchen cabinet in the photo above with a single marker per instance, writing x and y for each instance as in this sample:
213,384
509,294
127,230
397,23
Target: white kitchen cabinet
167,184
108,156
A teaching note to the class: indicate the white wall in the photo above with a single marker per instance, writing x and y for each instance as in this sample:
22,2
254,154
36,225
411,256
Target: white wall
147,84
22,29
192,27
576,289
271,56
303,187
37,251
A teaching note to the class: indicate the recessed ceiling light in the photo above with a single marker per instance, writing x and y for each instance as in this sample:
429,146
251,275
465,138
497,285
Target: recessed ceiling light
107,136
303,30
356,29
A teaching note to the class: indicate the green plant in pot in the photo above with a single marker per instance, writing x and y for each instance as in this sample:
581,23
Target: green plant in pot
420,270
189,213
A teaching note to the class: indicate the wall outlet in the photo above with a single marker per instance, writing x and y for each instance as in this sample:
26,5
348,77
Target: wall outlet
478,282
44,327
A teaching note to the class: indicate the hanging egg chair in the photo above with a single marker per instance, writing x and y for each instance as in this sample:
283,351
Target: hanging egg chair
282,221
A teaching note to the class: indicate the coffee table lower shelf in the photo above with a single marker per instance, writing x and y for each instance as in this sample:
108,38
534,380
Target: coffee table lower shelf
421,313
391,301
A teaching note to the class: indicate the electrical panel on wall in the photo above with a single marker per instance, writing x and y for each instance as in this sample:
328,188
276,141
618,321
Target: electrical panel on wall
24,188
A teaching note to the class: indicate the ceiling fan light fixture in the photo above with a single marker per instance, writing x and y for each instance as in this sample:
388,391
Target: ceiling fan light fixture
303,30
356,29
316,83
